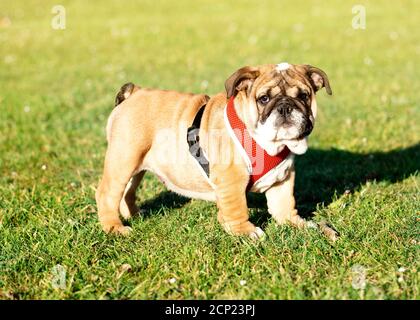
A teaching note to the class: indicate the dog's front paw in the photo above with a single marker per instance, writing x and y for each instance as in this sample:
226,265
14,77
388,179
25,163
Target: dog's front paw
257,234
244,228
118,229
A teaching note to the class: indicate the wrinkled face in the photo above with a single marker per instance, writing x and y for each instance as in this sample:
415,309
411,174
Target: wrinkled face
278,101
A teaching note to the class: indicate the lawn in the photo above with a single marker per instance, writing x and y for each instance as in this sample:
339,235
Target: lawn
361,173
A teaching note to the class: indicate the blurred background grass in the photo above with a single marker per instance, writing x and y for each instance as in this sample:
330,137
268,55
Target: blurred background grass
57,88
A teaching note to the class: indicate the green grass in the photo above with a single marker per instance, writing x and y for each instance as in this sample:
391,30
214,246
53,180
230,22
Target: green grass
361,173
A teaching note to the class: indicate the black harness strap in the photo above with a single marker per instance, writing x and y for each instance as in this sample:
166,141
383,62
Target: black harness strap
193,139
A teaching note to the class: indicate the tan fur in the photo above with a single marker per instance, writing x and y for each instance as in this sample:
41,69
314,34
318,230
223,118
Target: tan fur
137,142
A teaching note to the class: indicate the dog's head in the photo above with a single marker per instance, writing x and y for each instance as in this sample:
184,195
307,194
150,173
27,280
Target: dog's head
277,103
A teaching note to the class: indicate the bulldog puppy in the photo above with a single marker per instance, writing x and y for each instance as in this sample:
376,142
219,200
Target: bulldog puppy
217,149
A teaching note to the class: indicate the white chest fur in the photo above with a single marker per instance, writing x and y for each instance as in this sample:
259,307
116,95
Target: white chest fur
275,175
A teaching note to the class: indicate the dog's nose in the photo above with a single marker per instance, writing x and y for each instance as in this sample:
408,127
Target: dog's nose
285,106
285,109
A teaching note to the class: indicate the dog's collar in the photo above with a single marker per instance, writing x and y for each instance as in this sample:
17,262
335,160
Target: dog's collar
259,162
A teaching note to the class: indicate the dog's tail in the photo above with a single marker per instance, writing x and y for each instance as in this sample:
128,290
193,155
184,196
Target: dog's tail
126,90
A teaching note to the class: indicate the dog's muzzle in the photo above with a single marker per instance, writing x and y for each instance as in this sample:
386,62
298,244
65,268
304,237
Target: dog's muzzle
288,108
285,106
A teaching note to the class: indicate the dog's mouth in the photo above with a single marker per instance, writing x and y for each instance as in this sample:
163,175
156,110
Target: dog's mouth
289,135
277,128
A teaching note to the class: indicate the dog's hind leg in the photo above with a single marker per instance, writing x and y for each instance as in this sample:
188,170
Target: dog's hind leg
117,174
128,202
122,161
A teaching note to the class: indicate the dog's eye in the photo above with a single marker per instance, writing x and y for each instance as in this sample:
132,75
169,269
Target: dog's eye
264,99
303,96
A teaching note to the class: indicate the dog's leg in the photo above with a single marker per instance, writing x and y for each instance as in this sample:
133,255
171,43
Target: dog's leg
231,201
128,202
281,205
121,161
281,202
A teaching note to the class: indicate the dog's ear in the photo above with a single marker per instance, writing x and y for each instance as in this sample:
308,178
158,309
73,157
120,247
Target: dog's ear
242,79
318,78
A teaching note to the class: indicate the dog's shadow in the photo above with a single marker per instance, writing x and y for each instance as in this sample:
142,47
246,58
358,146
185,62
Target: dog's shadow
165,199
321,174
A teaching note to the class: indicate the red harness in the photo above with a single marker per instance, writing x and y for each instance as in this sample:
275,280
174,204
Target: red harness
260,160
